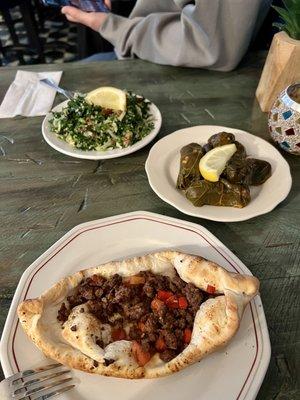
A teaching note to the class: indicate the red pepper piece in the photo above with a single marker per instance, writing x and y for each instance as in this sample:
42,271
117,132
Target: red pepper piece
157,305
187,335
210,289
172,302
160,344
118,334
141,326
182,302
164,295
141,356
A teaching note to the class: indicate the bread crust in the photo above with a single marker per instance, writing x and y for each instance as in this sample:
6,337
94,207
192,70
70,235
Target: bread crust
216,321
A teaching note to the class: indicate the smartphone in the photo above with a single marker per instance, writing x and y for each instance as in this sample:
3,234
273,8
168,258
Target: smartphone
84,5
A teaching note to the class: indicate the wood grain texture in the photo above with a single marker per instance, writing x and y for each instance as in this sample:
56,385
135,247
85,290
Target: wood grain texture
43,193
281,69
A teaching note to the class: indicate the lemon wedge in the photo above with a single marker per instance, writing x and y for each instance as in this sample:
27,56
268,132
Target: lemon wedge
108,97
213,163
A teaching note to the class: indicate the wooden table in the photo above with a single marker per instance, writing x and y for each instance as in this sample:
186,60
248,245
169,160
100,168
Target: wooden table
43,193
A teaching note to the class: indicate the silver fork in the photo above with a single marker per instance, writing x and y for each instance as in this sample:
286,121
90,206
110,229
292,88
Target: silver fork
36,384
67,93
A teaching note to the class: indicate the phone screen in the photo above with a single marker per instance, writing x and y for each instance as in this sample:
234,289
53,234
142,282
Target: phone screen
84,5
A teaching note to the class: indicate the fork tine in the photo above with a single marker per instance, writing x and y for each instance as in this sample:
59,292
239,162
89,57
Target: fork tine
19,387
12,379
46,387
52,394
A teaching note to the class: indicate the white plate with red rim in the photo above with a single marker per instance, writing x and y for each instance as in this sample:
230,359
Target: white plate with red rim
233,373
162,167
63,147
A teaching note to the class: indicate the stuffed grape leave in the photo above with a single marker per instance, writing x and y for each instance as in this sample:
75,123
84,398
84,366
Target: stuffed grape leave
221,193
190,156
258,171
236,168
221,139
247,171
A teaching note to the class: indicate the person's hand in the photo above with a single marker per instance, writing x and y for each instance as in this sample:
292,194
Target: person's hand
92,20
108,4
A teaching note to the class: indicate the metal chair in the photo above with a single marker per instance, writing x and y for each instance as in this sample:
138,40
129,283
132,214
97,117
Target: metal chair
27,16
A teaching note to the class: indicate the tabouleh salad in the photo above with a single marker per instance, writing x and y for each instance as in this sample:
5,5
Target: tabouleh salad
87,126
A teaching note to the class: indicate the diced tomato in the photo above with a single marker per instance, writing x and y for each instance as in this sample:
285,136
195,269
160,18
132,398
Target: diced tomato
182,302
141,326
118,334
172,302
141,356
160,344
163,295
187,335
157,304
134,280
210,289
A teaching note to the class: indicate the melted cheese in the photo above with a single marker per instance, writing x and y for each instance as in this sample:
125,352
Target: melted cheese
121,352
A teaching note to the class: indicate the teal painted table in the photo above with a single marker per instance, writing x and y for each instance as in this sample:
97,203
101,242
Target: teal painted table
43,193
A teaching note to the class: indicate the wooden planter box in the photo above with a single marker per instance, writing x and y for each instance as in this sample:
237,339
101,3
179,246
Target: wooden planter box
281,69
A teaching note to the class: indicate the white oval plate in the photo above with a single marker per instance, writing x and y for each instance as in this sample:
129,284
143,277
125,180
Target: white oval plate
232,373
60,145
162,167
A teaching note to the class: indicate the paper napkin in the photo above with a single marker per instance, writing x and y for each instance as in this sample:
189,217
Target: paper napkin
26,96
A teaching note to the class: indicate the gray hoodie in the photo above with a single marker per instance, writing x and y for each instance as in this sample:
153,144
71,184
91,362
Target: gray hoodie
212,34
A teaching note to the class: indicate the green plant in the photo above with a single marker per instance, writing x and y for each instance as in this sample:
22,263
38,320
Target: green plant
290,16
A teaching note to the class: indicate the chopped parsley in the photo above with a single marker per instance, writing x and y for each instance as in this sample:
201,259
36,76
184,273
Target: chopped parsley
89,127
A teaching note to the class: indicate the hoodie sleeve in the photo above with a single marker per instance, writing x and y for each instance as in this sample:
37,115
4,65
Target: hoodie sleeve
212,34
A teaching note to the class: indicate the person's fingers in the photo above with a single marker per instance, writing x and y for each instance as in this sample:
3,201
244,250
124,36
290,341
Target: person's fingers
108,4
70,18
75,15
92,20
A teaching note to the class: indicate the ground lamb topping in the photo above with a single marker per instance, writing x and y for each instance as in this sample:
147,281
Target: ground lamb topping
154,311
